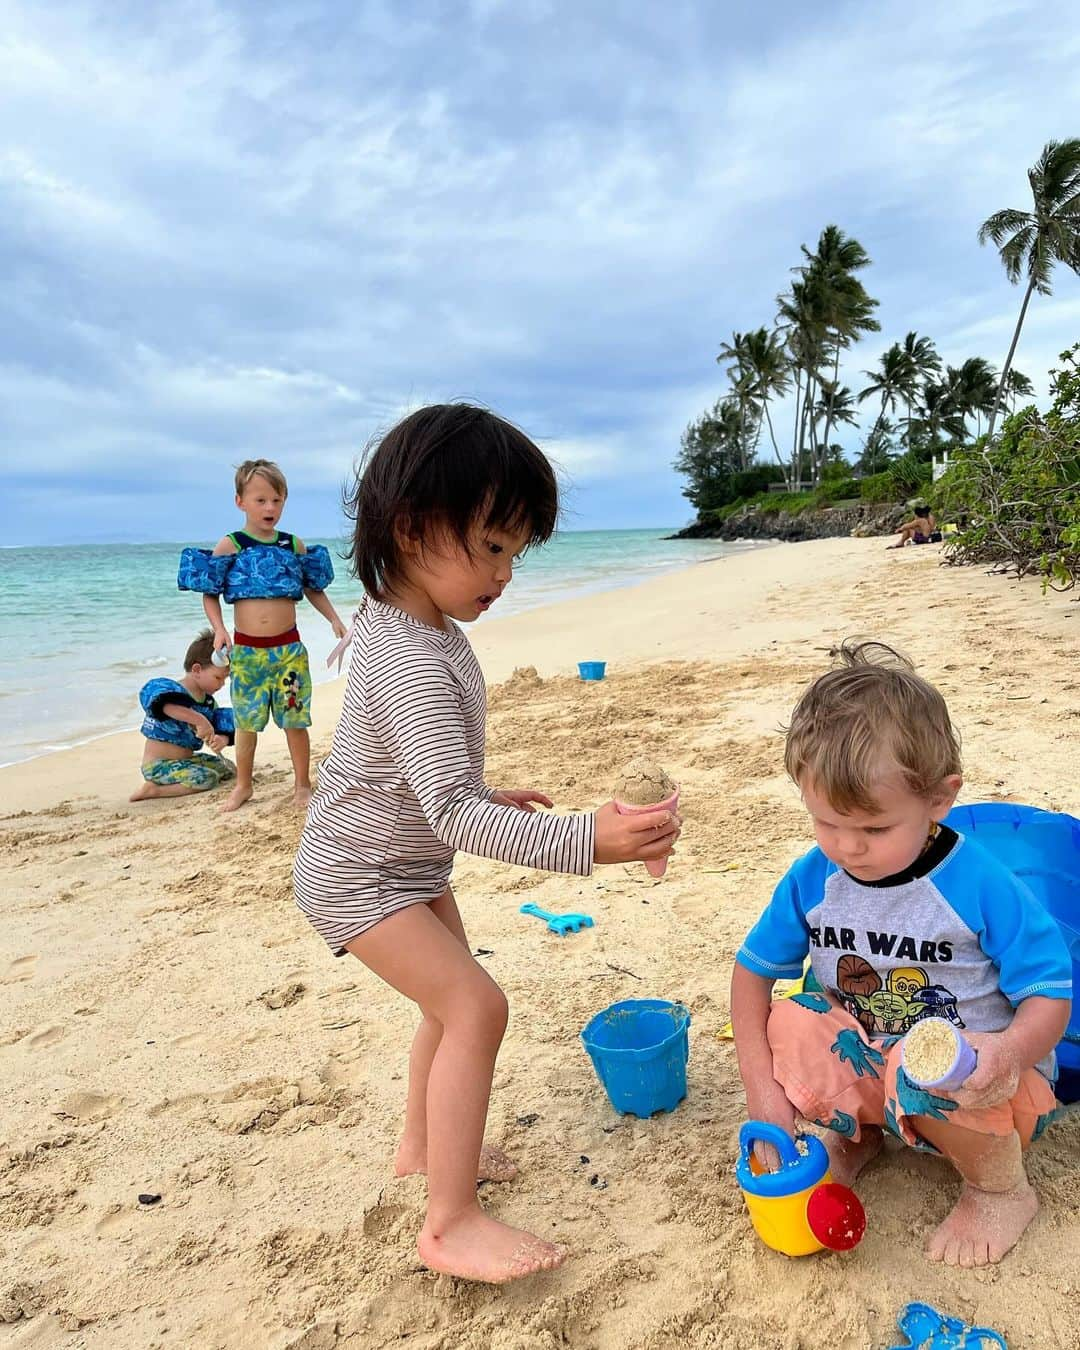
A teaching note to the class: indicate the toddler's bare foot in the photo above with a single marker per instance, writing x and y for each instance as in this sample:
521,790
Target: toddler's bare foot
983,1226
474,1246
144,793
301,797
848,1157
237,797
494,1164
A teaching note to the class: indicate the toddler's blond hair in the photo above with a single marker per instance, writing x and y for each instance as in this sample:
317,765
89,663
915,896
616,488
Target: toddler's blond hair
870,718
264,468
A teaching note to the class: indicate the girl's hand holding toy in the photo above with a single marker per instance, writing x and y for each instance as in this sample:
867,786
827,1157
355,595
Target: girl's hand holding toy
634,838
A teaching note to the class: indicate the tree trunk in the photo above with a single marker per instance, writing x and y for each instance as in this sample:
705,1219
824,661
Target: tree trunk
1008,360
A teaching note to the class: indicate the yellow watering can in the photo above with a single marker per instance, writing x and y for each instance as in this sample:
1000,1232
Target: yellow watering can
798,1209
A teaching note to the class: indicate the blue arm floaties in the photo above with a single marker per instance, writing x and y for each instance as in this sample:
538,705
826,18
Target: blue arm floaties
201,571
224,723
316,567
256,572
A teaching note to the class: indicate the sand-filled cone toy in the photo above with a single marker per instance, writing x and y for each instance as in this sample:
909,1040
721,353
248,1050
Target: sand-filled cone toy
642,787
936,1056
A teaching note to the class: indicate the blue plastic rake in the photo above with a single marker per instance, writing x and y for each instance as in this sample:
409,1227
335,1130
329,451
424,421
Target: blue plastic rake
927,1329
559,923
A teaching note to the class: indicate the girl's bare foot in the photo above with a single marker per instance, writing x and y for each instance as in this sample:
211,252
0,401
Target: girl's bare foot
474,1246
301,797
494,1164
983,1226
237,797
848,1157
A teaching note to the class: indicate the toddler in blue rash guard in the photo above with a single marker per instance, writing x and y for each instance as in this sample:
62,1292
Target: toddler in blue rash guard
181,716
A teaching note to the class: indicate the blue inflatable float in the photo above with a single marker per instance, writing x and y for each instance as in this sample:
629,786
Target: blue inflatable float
1043,849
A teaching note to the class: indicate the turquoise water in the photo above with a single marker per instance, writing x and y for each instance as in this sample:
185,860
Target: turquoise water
87,626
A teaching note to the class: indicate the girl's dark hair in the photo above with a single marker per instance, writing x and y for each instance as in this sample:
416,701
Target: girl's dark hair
451,466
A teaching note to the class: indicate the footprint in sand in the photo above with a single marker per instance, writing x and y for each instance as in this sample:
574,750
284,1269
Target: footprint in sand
21,969
45,1036
379,1220
89,1107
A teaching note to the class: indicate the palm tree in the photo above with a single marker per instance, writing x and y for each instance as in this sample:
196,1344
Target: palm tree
974,389
895,379
923,361
1032,241
877,454
1017,385
939,412
845,310
837,406
759,372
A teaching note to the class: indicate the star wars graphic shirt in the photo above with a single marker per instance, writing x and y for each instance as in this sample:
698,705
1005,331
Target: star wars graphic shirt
957,935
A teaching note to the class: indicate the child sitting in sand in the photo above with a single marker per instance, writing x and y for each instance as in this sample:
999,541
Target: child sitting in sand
264,571
181,715
903,919
443,509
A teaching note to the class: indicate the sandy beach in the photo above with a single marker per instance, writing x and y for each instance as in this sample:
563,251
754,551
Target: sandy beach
171,1026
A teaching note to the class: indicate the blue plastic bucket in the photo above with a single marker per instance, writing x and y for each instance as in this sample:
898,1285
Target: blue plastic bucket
592,670
639,1049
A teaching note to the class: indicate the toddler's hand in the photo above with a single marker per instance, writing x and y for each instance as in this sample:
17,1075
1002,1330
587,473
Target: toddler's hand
769,1103
634,838
338,628
203,729
522,798
217,741
996,1075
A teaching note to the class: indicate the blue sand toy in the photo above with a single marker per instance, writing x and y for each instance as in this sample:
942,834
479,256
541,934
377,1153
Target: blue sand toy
592,670
639,1049
559,923
1043,849
927,1329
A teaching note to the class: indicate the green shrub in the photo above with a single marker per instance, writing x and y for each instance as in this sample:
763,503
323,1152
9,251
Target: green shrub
836,490
878,487
1017,500
910,475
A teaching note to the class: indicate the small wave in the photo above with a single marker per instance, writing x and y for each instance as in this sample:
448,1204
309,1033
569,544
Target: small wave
148,663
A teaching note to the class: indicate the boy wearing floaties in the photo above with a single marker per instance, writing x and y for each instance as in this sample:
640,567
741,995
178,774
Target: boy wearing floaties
902,918
180,716
263,571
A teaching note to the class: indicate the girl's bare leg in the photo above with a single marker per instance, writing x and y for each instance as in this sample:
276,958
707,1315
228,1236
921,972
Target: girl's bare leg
246,742
997,1202
411,1157
415,953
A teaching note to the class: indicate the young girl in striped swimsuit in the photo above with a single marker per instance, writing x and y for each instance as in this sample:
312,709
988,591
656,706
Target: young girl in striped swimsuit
443,507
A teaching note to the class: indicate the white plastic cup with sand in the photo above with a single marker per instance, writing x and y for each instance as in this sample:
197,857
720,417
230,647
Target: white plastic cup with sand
641,788
935,1055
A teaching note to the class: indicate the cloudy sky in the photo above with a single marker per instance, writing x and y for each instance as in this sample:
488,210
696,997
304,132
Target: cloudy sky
235,227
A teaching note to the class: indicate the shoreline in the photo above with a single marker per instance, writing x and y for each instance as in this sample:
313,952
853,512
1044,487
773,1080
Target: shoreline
321,642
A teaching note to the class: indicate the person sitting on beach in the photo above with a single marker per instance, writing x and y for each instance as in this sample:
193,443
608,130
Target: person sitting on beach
921,529
264,571
446,504
903,919
181,715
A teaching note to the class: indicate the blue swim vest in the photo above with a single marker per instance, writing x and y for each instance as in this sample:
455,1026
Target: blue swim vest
1042,848
157,727
258,570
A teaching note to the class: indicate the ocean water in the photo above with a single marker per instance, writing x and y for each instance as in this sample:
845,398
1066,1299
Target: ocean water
87,626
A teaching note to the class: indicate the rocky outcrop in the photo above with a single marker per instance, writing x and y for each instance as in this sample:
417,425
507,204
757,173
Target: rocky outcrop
832,522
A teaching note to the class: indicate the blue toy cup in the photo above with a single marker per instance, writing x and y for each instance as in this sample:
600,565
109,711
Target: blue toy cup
592,670
639,1049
